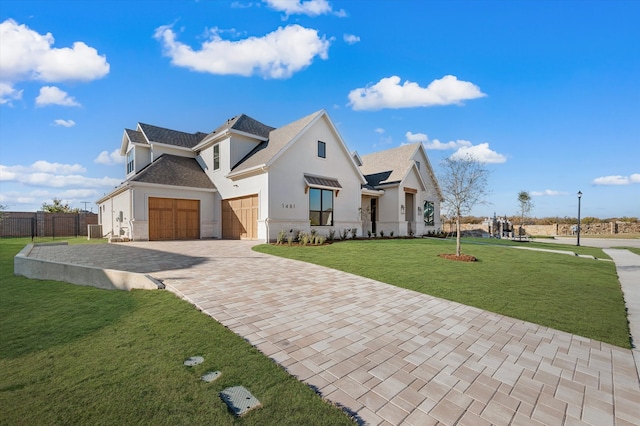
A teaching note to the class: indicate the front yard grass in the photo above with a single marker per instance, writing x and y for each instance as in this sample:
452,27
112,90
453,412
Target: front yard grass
77,355
576,295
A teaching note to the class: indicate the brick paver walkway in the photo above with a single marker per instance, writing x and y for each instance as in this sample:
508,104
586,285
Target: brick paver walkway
390,356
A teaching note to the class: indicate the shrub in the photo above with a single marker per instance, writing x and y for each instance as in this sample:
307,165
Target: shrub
381,234
281,236
354,232
332,234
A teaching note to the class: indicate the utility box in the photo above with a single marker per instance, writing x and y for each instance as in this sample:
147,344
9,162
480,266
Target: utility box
94,231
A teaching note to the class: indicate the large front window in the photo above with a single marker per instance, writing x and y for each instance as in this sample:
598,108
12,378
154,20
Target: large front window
129,161
321,207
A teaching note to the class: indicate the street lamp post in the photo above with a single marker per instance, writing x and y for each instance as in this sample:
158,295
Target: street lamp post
579,197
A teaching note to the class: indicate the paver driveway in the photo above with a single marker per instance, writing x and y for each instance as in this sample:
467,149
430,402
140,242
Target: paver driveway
386,354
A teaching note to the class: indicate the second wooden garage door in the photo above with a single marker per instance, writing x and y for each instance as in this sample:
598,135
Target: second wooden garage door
174,219
240,218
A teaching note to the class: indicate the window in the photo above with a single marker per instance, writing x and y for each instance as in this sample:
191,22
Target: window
216,157
418,165
322,149
129,161
429,213
321,207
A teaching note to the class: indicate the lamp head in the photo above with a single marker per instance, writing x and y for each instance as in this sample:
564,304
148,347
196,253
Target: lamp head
579,194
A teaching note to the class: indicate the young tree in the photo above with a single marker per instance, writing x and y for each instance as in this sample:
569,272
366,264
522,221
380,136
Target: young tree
57,207
526,204
463,184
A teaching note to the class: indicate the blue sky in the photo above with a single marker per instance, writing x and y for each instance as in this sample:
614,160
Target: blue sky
546,93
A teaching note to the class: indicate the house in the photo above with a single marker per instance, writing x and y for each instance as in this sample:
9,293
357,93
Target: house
247,180
401,195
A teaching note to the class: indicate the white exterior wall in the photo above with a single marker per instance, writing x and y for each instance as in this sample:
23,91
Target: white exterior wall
430,194
228,188
239,148
110,215
289,200
158,150
389,212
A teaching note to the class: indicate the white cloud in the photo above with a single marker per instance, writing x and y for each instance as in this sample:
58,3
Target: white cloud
388,93
27,55
617,180
64,123
301,7
547,193
56,175
110,158
278,54
351,39
51,95
435,144
379,130
481,153
8,94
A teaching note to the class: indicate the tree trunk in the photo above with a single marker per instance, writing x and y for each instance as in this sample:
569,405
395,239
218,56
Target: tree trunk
458,236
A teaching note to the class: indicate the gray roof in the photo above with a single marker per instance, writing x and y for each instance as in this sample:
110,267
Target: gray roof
175,170
171,137
390,166
246,124
278,140
135,136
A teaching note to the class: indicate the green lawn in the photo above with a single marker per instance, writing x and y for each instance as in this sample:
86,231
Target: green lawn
77,355
577,295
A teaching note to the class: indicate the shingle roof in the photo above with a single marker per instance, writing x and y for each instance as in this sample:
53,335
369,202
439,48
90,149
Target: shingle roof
175,170
388,166
135,136
246,124
171,137
278,139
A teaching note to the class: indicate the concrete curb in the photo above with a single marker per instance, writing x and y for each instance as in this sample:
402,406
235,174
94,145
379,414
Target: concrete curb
107,279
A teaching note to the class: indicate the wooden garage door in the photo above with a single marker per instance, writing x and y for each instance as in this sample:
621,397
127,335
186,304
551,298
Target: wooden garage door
240,218
174,219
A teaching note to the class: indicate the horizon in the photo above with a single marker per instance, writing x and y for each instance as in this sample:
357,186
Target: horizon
545,95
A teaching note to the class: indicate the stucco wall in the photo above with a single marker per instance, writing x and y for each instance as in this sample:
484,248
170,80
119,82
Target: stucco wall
110,215
289,200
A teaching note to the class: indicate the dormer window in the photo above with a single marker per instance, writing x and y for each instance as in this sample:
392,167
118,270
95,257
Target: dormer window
216,157
130,161
322,149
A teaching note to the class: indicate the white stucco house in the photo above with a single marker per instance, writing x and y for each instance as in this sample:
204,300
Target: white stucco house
247,180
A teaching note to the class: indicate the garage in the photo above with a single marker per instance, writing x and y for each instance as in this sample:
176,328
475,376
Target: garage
174,219
240,218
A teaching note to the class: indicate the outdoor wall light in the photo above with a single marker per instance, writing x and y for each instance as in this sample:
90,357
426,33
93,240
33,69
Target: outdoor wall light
402,208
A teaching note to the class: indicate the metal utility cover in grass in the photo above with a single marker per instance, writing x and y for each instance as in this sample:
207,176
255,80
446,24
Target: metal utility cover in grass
211,376
194,360
239,400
